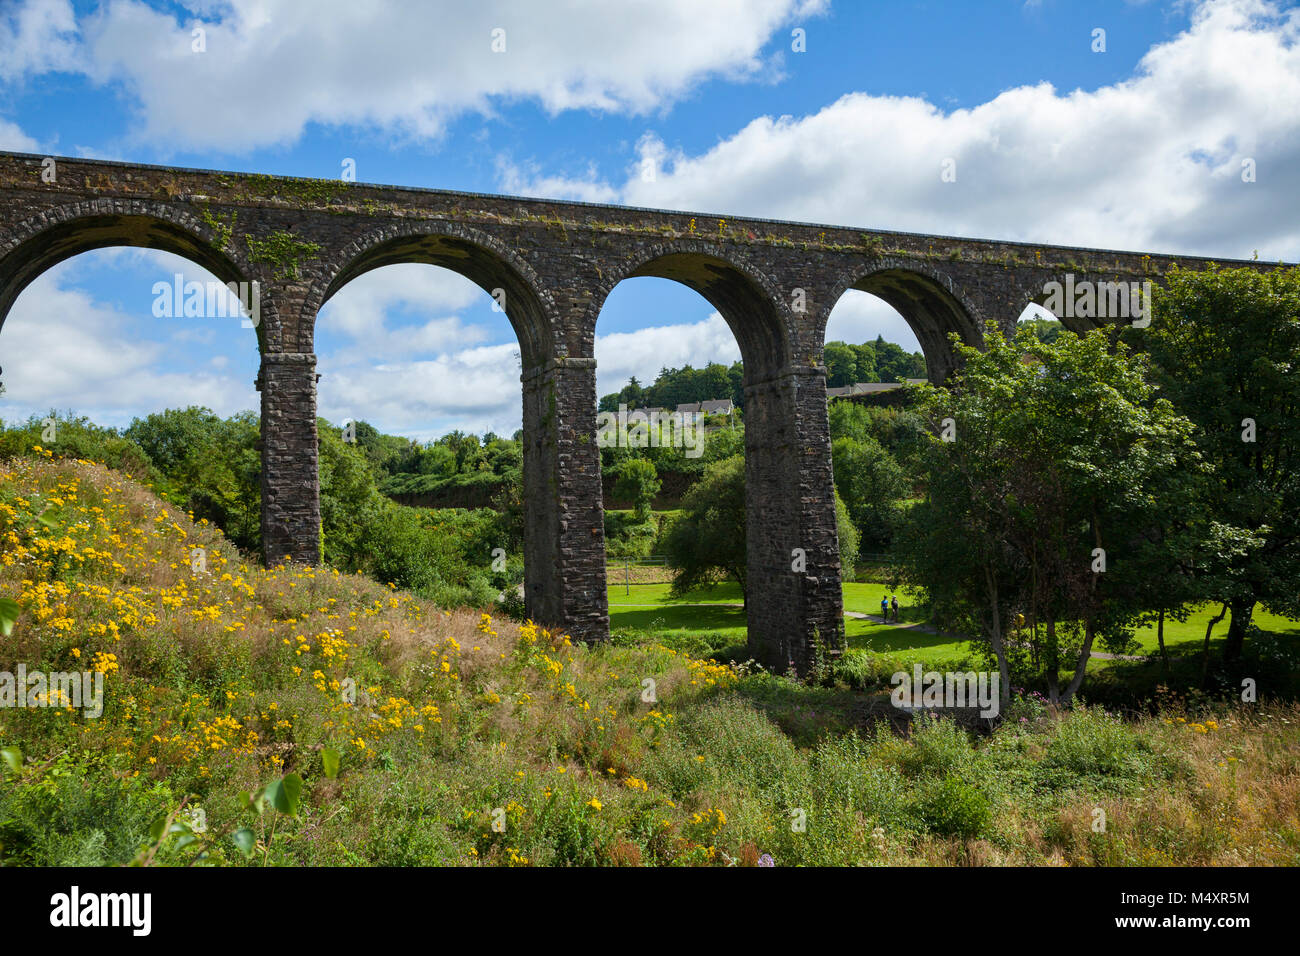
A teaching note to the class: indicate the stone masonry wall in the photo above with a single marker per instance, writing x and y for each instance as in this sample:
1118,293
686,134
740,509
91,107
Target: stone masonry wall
555,262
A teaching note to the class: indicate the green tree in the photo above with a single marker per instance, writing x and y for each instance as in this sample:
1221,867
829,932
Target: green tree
637,482
866,371
706,543
1048,330
871,483
848,537
1226,347
1055,470
848,420
893,364
350,503
213,462
841,365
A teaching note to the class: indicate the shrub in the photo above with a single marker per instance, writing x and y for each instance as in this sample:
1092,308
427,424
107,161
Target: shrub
1087,742
937,747
953,808
82,814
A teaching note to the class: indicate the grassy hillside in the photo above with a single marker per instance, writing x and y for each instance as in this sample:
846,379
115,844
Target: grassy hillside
427,736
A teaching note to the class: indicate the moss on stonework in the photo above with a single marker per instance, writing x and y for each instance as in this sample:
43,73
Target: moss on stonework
283,250
223,229
310,192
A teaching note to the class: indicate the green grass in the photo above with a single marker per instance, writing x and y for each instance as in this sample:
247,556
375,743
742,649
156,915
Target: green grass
915,645
728,592
648,607
1192,631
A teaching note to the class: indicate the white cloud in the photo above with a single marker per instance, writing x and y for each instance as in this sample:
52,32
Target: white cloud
529,180
361,310
860,317
473,390
11,137
36,37
644,352
478,389
403,67
65,350
1154,162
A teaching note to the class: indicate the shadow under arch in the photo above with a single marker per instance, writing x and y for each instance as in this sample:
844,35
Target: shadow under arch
928,300
743,296
36,245
478,257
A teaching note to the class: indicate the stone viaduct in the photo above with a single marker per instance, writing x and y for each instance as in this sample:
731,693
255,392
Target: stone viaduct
774,283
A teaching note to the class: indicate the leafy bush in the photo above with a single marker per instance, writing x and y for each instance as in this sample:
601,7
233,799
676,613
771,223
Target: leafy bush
938,746
638,482
1091,743
81,438
953,808
80,814
707,543
212,462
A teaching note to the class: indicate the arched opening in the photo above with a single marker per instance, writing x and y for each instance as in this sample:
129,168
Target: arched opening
670,416
39,248
1041,321
726,453
421,345
926,302
889,329
139,358
480,260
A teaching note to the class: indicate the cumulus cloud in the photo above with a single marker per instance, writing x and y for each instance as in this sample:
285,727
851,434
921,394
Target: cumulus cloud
644,352
362,310
402,67
37,36
528,180
11,137
1154,162
64,349
474,390
859,317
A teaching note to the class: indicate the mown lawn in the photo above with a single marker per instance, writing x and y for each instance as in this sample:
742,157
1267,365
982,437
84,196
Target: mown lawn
640,607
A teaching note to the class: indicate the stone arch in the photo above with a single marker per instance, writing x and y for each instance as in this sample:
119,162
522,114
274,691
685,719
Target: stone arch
41,242
929,299
1036,293
745,297
790,610
477,256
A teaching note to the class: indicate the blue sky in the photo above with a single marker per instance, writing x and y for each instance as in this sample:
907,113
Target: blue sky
1139,145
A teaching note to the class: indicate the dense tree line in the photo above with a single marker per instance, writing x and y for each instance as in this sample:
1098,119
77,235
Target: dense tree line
680,386
878,361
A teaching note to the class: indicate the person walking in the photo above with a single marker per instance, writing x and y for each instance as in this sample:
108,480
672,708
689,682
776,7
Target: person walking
884,609
894,604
